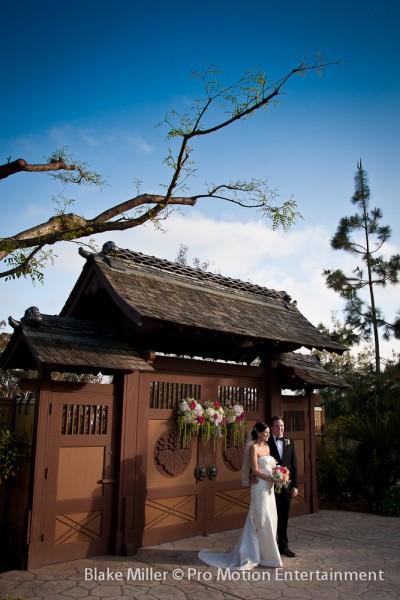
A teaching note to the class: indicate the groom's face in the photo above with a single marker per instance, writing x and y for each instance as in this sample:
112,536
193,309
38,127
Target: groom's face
278,428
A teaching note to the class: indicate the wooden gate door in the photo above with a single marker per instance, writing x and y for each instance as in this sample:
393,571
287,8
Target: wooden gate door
227,499
195,490
295,411
169,500
79,475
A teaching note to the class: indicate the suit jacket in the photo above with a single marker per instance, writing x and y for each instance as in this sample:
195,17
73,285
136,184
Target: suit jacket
288,460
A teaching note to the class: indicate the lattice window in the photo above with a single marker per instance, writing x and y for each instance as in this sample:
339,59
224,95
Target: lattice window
84,419
246,396
167,395
294,420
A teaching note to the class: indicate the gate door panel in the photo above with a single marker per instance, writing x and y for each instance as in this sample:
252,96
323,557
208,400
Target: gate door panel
227,499
172,498
194,490
80,473
297,427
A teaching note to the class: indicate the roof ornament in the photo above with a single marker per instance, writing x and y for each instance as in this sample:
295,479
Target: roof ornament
108,247
83,252
14,323
32,316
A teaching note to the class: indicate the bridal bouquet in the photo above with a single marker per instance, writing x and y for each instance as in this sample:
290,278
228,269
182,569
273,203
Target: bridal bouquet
280,477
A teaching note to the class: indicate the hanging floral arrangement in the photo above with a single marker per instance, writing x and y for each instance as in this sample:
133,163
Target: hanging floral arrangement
214,425
236,421
210,420
190,419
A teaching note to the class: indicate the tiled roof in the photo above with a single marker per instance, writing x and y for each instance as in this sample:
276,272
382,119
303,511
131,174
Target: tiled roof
298,369
59,342
157,289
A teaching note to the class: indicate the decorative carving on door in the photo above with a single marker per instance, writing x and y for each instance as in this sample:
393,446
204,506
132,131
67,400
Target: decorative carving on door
232,455
170,458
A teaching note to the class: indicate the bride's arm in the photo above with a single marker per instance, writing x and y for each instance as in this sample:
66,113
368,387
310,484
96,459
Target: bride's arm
254,465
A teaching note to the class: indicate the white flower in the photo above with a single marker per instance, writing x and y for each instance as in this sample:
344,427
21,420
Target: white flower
183,406
209,413
218,417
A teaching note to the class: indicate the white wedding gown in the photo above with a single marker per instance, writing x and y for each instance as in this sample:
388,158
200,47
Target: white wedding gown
257,542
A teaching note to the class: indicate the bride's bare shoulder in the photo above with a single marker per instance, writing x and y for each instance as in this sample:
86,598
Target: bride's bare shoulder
253,449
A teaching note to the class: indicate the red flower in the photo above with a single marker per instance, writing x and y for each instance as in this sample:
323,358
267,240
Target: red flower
192,405
201,420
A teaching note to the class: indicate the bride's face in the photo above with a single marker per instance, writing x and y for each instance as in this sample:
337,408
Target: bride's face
263,436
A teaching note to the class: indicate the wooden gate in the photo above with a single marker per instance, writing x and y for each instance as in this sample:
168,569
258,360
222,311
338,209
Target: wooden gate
195,490
79,473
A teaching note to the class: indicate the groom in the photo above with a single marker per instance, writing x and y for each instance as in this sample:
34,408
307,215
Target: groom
282,449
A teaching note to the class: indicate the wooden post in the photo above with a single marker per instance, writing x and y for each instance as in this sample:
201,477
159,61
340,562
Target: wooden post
313,454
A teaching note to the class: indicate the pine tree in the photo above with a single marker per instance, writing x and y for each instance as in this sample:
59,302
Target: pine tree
363,235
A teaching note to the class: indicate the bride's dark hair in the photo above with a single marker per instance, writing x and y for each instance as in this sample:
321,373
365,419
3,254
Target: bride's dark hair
257,429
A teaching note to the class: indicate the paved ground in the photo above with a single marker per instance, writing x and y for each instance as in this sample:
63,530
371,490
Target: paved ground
340,555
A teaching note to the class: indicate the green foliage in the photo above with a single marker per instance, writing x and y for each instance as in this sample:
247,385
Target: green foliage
355,369
11,455
378,449
340,478
369,391
389,503
80,175
359,458
25,263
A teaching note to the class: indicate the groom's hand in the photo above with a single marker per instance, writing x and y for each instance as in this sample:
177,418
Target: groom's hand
253,479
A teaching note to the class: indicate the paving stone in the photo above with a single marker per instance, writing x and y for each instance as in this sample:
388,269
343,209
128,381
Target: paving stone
328,541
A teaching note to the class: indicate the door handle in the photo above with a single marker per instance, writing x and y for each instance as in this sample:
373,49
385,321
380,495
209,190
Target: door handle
107,481
200,472
212,472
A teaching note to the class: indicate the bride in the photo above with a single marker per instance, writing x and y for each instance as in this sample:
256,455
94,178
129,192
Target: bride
257,542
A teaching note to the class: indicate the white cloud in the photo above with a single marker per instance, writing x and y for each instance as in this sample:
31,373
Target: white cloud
291,261
140,144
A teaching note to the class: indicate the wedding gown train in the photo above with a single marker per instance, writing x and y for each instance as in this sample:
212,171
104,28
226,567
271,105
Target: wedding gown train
257,543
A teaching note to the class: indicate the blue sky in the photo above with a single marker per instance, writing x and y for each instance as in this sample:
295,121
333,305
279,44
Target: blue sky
97,77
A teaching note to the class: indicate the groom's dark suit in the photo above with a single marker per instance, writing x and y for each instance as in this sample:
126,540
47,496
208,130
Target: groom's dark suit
283,499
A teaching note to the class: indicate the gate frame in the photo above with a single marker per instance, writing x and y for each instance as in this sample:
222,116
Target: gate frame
129,491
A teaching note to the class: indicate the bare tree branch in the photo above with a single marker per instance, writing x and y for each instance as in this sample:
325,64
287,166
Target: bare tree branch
238,101
17,166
